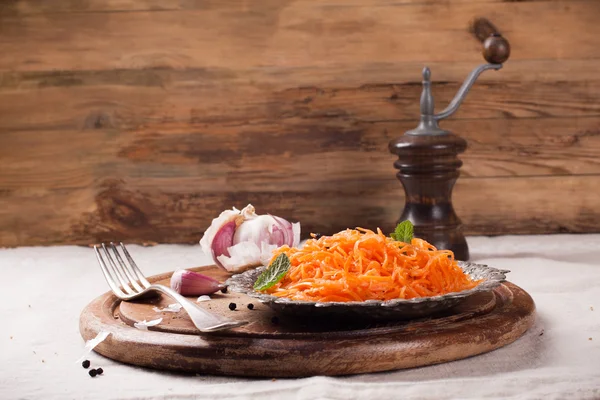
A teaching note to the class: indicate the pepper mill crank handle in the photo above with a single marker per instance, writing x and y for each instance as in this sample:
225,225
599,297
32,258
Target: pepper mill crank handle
464,89
496,51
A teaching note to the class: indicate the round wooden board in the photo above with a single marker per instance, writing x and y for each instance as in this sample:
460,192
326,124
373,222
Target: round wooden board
288,347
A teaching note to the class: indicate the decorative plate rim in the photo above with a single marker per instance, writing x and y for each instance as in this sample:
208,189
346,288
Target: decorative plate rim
493,277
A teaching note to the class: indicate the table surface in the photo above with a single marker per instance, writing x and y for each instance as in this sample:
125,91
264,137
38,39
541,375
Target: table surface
47,287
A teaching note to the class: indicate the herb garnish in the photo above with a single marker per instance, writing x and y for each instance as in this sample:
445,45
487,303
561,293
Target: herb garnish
274,273
403,232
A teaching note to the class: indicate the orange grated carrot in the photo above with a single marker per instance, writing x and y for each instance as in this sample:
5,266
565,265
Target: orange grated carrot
359,264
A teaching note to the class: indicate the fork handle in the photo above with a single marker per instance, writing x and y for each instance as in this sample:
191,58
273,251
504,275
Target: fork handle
204,320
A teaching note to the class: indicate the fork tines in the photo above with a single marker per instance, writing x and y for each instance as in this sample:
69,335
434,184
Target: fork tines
124,278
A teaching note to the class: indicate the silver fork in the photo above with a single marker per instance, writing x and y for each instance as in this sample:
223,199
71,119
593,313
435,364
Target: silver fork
127,282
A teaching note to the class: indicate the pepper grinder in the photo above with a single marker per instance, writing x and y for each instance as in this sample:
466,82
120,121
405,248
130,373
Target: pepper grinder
428,164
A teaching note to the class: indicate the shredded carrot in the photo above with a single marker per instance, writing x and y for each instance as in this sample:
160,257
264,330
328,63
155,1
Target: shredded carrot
359,264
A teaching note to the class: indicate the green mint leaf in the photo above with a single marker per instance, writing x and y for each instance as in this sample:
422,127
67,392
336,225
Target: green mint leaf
274,273
403,232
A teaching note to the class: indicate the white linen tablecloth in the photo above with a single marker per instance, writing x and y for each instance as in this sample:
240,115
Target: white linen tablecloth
45,289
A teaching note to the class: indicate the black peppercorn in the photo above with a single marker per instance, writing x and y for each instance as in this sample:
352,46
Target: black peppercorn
92,373
85,364
99,371
232,306
275,320
224,290
250,306
317,236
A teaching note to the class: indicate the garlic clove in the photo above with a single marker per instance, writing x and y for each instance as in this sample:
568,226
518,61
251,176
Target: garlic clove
189,283
266,253
222,241
286,230
296,234
257,230
242,256
216,225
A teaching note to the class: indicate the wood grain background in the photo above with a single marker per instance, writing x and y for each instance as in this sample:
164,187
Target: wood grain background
140,120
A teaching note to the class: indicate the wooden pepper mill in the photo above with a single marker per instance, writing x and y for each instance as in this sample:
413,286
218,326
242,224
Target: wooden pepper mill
428,161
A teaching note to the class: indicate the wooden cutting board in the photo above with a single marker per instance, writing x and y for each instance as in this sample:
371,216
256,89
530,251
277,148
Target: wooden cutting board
281,346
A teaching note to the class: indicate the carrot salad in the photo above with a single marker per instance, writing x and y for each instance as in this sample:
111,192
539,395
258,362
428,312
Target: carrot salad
359,264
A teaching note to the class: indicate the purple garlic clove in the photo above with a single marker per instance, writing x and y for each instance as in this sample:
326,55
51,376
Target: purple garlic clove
189,283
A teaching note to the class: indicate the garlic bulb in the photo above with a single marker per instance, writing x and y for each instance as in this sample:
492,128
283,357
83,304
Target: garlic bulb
238,240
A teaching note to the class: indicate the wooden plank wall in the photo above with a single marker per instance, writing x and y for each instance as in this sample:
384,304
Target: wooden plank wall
140,120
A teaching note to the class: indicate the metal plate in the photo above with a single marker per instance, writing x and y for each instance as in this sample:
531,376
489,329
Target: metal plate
372,309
